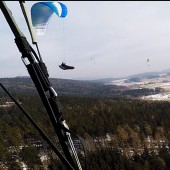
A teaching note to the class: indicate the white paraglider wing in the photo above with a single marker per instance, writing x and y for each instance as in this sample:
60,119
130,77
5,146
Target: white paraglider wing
41,13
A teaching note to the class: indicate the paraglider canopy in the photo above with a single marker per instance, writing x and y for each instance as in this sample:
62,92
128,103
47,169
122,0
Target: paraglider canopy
41,13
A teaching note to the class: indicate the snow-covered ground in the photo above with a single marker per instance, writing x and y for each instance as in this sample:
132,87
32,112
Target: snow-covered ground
160,96
162,81
122,82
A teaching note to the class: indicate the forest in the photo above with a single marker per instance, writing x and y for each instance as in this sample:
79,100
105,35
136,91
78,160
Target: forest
119,133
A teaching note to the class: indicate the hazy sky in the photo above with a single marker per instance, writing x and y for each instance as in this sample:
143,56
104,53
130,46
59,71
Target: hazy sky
101,39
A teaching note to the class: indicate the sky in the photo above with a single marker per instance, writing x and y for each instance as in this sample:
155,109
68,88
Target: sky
101,39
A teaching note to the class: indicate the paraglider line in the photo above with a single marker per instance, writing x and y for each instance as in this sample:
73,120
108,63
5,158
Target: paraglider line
39,129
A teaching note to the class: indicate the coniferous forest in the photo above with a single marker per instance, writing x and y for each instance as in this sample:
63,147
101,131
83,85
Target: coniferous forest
118,133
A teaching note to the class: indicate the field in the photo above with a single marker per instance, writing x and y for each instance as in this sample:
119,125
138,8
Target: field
162,82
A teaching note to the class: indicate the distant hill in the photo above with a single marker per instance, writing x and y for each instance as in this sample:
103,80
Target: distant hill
102,81
145,75
63,87
135,77
99,87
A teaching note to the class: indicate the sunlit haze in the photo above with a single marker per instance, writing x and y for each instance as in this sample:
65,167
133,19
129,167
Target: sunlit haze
101,39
